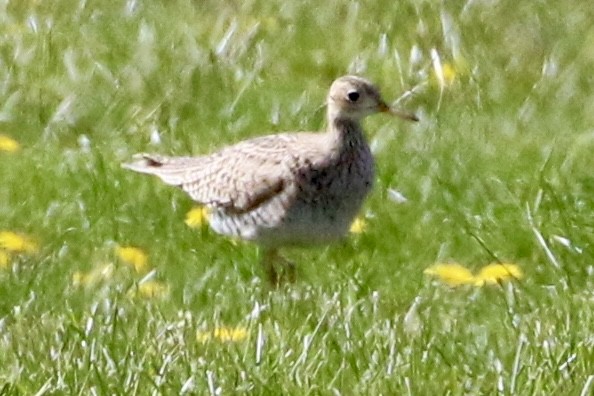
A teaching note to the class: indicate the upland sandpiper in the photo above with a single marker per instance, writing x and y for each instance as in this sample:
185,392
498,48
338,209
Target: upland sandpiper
286,189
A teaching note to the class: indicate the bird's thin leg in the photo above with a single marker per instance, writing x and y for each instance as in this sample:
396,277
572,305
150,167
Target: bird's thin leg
290,268
268,260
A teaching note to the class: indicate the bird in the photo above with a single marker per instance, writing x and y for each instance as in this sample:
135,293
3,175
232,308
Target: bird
285,189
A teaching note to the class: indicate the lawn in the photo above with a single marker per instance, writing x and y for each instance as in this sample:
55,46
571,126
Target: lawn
104,288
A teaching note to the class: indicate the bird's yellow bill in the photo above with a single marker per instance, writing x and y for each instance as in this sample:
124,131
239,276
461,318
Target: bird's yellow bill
384,108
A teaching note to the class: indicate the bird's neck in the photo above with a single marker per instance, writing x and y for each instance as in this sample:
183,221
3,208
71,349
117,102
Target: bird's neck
345,134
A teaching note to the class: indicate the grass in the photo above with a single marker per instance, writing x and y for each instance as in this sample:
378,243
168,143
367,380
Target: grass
498,170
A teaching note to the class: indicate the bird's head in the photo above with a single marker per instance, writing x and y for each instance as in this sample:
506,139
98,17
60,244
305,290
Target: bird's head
353,97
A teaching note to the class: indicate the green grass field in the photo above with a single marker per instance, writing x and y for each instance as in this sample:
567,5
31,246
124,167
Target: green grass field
500,169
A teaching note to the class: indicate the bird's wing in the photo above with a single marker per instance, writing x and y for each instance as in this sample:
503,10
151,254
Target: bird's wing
237,178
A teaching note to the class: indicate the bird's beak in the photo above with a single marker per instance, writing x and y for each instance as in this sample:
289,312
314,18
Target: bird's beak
405,115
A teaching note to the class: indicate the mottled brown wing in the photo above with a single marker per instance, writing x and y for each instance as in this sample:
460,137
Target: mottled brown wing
239,177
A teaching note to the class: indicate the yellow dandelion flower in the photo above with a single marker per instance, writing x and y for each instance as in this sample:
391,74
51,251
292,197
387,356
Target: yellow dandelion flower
443,75
496,273
8,144
79,278
13,242
152,289
4,259
134,257
449,73
197,217
94,276
223,334
226,334
451,274
203,336
358,226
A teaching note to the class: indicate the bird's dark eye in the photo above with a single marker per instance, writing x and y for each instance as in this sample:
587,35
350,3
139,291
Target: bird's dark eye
353,96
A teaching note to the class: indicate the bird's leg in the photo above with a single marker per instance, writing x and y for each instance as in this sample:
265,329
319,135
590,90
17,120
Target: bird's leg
291,270
270,260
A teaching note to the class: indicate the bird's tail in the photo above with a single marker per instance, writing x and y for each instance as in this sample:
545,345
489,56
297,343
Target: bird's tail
172,170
